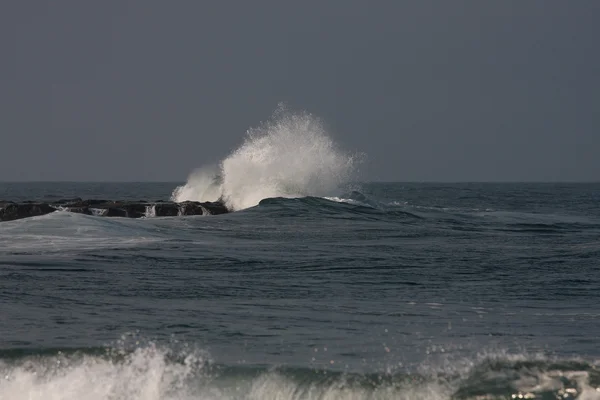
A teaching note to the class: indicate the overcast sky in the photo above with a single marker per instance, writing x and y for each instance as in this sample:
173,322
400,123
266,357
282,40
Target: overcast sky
429,90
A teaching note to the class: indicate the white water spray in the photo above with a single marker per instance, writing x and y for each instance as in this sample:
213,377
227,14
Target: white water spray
142,375
291,155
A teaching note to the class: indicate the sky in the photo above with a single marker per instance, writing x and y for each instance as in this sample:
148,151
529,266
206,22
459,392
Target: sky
149,90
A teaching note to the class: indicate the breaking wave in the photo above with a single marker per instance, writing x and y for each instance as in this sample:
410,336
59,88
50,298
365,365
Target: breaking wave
152,373
291,155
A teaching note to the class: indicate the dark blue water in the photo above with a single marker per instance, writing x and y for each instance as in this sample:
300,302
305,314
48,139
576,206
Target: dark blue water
391,290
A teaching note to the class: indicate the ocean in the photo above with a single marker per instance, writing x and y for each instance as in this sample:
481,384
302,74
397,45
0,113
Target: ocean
318,284
381,291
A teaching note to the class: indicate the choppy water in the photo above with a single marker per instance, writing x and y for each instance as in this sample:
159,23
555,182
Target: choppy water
390,291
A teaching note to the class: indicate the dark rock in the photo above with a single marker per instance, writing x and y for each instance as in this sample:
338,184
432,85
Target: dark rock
78,210
206,208
68,201
215,207
191,208
108,208
134,210
93,202
114,212
12,211
166,210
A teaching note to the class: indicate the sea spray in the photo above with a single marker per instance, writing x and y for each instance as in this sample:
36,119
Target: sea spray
290,155
144,374
203,185
181,372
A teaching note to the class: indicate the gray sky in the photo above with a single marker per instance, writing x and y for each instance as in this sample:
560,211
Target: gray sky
430,90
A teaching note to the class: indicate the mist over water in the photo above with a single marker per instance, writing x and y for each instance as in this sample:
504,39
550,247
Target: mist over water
290,155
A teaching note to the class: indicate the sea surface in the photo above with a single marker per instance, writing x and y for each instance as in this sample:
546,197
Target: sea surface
383,291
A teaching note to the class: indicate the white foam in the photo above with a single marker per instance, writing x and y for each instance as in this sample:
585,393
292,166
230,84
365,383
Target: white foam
150,211
99,212
143,375
151,373
147,374
61,231
202,185
291,155
273,386
347,201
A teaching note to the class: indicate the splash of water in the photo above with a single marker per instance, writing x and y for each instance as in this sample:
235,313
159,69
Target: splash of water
291,155
156,373
145,374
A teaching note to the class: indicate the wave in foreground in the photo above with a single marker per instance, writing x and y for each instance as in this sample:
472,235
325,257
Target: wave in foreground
291,155
151,373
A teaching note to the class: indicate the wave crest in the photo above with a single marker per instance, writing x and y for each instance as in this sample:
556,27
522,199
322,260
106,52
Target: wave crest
144,374
154,373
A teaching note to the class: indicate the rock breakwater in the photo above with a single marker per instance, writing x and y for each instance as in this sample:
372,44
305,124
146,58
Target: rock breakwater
108,208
